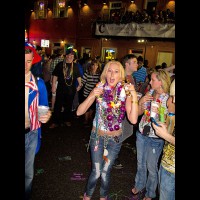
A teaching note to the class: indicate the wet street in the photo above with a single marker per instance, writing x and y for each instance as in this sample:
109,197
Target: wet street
63,164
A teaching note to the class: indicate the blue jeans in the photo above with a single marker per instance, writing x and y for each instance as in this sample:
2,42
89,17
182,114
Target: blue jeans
166,184
31,140
148,152
100,168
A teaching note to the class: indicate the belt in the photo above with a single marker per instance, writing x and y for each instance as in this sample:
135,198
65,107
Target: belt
27,130
108,133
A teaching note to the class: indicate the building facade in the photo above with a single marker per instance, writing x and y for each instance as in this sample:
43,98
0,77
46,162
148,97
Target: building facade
109,29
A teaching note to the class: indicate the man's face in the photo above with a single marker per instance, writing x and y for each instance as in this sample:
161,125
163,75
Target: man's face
133,65
28,62
70,58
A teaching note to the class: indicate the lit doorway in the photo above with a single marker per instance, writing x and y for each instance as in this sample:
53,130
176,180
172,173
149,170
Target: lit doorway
164,57
85,52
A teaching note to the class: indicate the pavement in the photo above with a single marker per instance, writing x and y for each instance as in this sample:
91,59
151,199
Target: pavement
63,164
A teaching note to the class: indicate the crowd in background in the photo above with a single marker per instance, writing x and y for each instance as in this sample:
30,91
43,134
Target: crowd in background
144,16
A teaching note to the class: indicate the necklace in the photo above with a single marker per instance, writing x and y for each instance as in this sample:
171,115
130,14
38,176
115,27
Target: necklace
112,106
161,109
68,73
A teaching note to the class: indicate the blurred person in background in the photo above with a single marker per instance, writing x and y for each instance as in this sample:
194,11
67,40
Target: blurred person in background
65,75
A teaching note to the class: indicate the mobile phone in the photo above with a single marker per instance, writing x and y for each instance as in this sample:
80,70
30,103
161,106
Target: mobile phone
154,121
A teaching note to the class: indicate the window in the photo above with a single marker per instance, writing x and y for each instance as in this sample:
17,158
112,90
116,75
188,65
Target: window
116,5
60,8
164,57
115,11
86,52
151,6
40,9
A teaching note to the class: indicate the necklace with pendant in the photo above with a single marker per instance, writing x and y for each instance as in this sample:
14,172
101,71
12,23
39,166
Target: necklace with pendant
68,76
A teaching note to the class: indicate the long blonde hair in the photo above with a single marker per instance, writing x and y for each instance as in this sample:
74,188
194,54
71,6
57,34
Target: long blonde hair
121,68
164,77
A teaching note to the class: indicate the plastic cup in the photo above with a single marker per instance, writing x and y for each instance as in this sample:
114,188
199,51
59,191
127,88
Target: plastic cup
154,104
139,95
42,110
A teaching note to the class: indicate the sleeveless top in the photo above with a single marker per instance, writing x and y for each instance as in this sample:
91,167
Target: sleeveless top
145,120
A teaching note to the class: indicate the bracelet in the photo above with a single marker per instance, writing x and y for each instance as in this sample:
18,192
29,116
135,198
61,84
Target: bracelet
136,102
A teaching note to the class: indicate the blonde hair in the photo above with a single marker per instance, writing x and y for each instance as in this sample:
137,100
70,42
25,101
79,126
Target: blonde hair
164,77
121,69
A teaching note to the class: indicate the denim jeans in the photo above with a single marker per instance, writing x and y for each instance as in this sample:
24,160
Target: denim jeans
100,168
166,184
148,152
31,140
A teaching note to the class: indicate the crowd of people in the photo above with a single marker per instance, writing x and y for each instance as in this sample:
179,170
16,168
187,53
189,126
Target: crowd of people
116,99
144,16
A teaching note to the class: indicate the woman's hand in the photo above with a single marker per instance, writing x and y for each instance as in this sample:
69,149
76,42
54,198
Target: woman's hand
130,89
162,132
144,99
96,92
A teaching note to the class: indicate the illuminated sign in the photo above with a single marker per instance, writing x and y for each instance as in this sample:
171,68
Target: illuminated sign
44,43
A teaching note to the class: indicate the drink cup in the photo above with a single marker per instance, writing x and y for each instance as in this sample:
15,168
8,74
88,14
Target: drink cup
153,105
42,110
139,95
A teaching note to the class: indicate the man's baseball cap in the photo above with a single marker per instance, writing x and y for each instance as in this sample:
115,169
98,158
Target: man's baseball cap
70,49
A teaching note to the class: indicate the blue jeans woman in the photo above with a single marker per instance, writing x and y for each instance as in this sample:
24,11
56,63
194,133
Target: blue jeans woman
101,168
113,99
148,152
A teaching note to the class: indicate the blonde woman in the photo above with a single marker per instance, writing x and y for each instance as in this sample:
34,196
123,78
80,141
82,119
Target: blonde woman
105,139
149,145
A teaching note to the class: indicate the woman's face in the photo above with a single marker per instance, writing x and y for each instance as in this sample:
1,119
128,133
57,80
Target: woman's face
95,66
155,83
113,75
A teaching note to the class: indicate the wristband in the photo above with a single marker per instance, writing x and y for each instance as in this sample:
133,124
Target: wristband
136,102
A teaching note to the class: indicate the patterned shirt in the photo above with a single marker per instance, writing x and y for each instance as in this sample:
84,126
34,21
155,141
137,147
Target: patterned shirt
145,120
140,75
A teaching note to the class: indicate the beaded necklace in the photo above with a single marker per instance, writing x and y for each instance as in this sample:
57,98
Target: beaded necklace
112,106
112,109
68,74
148,105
